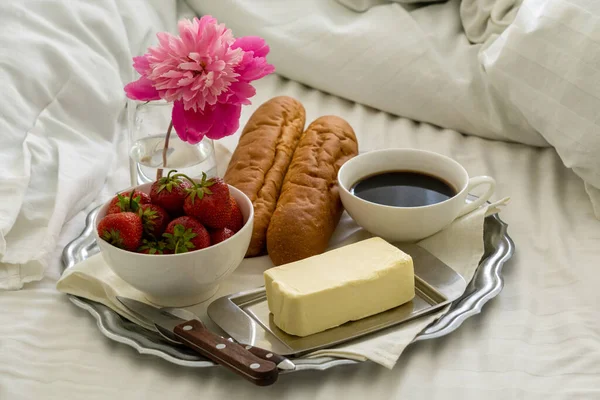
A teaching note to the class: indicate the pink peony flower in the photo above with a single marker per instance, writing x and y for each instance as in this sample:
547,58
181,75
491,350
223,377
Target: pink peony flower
206,72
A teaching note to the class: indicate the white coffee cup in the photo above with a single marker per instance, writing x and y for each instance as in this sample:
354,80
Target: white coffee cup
409,224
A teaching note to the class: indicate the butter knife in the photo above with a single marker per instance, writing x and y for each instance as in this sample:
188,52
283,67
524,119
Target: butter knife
257,365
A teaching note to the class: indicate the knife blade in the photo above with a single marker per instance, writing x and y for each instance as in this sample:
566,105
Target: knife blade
193,334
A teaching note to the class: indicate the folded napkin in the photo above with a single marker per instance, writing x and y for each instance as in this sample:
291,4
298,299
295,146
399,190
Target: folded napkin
460,246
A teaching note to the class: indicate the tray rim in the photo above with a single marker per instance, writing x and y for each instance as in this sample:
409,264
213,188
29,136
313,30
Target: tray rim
466,306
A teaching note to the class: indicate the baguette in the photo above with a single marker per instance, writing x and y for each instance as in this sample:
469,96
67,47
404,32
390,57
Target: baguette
309,206
261,159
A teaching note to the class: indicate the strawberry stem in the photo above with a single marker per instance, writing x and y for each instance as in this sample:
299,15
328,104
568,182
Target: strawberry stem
170,172
188,178
131,197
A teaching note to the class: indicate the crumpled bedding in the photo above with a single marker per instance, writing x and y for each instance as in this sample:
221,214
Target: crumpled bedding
62,68
482,20
534,81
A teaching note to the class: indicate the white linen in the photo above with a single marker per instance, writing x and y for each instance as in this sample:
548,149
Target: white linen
484,20
460,246
539,339
364,5
536,84
63,68
481,19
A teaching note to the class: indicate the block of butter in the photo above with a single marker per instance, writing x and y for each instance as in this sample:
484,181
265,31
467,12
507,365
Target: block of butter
341,285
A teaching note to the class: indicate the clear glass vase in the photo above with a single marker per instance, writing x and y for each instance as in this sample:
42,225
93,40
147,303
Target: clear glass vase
148,124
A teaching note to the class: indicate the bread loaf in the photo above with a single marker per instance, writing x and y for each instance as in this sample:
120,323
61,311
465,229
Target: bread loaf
261,159
309,206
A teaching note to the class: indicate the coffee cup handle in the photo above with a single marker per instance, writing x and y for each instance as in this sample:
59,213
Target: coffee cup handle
473,183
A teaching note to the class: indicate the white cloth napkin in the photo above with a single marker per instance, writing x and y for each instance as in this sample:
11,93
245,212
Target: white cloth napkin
460,246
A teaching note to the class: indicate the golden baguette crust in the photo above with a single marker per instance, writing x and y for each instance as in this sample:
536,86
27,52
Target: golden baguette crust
309,206
261,159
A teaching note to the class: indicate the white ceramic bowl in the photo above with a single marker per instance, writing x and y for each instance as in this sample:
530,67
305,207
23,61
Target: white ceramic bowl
179,280
408,224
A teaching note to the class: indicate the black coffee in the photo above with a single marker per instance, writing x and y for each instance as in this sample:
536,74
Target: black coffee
403,189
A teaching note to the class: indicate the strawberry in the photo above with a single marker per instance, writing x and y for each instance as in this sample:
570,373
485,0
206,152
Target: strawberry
154,219
128,201
219,235
169,192
185,234
236,221
123,230
209,202
152,247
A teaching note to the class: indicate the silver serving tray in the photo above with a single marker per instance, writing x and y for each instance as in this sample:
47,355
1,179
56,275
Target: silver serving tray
485,285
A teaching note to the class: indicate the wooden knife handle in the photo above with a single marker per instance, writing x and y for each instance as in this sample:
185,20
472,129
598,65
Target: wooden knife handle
259,371
265,354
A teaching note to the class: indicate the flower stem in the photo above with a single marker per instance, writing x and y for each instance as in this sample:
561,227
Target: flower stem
159,172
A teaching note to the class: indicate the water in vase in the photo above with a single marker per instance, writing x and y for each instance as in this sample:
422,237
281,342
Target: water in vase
147,157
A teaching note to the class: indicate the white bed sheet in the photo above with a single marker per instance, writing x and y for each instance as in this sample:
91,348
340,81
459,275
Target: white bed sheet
540,339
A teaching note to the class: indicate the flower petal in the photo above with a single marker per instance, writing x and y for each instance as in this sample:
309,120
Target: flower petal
255,69
141,64
215,122
190,126
226,120
255,44
238,93
142,90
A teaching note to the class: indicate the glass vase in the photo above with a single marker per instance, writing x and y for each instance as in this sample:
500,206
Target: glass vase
148,125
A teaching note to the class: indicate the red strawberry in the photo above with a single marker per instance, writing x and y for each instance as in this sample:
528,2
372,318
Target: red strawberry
123,230
152,247
186,234
236,221
154,219
209,202
169,192
127,201
219,235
